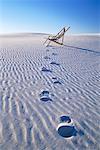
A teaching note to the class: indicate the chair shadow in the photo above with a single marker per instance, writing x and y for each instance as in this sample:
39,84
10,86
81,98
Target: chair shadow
84,49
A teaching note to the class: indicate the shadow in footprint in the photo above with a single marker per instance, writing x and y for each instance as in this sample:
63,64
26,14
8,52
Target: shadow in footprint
54,78
44,93
54,63
65,119
54,54
47,58
46,70
57,82
45,99
67,131
47,50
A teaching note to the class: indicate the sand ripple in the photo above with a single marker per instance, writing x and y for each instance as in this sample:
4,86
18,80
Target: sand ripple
72,80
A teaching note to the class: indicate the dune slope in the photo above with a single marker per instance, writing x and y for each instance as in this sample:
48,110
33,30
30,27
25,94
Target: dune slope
69,74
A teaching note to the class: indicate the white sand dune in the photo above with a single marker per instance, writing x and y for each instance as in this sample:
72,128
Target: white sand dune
28,122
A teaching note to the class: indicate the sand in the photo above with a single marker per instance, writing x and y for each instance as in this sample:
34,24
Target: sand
40,84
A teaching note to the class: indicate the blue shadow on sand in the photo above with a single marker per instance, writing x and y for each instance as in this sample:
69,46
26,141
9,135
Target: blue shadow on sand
47,57
54,54
44,93
65,119
67,131
54,63
84,49
45,99
57,82
46,70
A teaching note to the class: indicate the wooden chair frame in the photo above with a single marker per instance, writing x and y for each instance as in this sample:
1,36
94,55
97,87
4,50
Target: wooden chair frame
55,38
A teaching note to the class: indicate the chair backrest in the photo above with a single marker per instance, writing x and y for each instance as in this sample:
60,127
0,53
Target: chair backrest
60,34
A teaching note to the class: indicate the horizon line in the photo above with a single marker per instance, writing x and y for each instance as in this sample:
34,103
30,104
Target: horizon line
19,33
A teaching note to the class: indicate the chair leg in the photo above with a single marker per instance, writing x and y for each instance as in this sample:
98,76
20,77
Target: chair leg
48,43
45,41
62,39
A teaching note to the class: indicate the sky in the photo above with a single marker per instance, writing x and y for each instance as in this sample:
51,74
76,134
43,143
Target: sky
49,16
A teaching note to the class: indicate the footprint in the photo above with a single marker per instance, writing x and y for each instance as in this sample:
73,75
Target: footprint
46,70
54,63
66,131
54,54
47,58
56,81
66,127
44,96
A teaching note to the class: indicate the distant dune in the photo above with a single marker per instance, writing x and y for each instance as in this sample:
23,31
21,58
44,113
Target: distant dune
39,85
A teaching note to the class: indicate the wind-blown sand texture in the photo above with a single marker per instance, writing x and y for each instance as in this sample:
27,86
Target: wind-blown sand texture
40,84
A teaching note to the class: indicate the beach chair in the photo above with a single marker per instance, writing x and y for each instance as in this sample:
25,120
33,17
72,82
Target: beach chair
57,38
